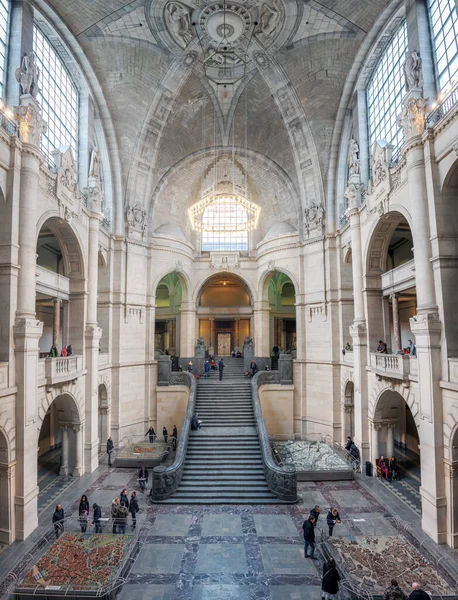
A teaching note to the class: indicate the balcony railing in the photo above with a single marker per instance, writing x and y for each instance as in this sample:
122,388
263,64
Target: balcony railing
394,366
58,370
400,278
348,357
445,106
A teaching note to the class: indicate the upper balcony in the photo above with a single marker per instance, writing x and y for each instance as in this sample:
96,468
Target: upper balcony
62,369
393,366
399,279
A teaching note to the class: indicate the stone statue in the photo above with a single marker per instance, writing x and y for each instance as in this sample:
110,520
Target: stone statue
249,343
353,160
94,165
178,21
200,342
413,72
268,19
27,75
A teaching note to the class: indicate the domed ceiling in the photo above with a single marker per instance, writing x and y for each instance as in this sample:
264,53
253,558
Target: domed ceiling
179,77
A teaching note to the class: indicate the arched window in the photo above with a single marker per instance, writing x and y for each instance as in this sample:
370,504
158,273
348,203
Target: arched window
58,97
224,221
4,20
385,92
444,25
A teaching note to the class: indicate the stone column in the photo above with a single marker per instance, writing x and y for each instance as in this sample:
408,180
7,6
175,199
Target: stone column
358,330
375,450
78,468
237,333
56,323
64,452
451,479
212,334
27,330
396,324
188,330
93,333
390,440
261,328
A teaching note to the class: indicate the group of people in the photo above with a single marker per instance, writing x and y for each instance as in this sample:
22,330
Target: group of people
308,527
387,468
65,351
120,509
410,349
236,353
210,365
58,517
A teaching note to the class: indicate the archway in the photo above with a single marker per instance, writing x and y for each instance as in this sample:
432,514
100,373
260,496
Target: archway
6,492
224,311
396,433
60,441
169,295
60,282
390,270
104,416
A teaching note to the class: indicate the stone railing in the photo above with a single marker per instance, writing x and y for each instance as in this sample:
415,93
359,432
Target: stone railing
59,370
166,480
51,283
394,366
282,480
103,359
348,357
399,278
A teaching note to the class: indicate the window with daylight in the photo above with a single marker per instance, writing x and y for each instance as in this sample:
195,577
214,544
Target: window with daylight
444,25
385,92
224,222
4,18
58,97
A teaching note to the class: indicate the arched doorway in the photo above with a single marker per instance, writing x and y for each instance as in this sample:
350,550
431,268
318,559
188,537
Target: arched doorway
6,492
224,310
282,330
169,295
60,441
395,433
391,270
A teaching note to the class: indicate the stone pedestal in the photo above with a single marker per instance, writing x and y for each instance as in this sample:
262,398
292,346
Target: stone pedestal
188,329
285,368
164,368
262,328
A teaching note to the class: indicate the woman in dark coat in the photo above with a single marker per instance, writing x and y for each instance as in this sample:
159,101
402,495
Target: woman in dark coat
133,508
330,580
84,505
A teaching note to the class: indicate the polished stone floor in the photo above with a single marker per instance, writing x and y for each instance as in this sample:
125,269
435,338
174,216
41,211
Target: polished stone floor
233,552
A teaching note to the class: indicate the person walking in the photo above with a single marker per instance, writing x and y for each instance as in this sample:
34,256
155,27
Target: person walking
97,515
417,593
253,368
394,592
165,433
221,368
207,369
114,514
123,497
332,519
308,528
174,437
110,447
143,478
134,508
330,580
58,521
122,518
152,434
315,513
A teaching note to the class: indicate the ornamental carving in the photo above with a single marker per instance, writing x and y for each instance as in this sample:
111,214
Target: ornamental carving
413,72
353,158
177,19
27,75
67,190
353,194
412,117
224,262
269,19
380,164
314,218
31,122
136,218
93,191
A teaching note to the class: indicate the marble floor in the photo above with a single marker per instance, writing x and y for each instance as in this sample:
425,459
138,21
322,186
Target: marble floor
227,552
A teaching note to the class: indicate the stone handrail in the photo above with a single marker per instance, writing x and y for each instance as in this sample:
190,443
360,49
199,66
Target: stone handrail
396,366
166,480
282,480
63,368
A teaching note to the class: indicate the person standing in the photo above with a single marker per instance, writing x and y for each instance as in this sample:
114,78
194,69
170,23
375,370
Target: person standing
165,433
134,508
330,580
308,528
84,505
63,352
143,478
174,437
381,348
123,497
114,514
417,593
152,434
207,369
221,368
122,518
96,518
332,519
411,349
58,521
253,368
83,520
349,444
394,592
315,513
110,447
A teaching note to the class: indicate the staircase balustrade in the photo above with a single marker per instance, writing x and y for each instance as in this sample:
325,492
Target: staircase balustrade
166,480
281,480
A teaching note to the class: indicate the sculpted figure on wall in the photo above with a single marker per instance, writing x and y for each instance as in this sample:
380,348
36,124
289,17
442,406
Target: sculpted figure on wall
268,19
27,75
178,21
353,160
413,72
94,166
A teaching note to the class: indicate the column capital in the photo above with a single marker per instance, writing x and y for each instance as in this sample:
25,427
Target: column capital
425,323
27,328
31,123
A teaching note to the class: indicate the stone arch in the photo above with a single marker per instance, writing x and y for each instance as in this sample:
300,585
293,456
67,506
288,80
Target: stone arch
381,387
69,242
348,378
7,469
184,280
379,238
8,430
105,382
199,288
68,391
450,429
263,285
